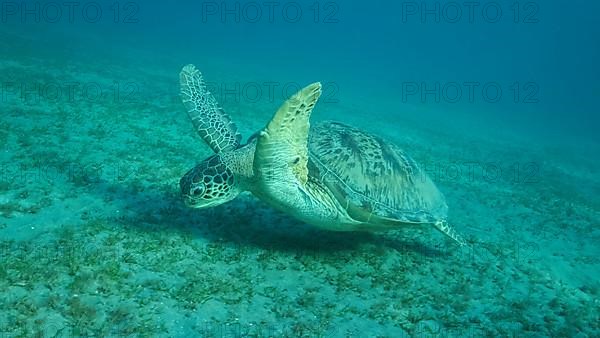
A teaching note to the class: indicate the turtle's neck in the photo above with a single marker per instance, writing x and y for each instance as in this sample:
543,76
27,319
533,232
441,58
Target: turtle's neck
240,162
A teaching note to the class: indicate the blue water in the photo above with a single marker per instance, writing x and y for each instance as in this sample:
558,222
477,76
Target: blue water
496,100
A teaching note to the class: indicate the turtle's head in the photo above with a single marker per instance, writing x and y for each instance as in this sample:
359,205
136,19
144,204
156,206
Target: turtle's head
208,184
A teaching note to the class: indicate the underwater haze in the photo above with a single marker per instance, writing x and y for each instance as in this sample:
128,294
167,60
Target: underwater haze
497,102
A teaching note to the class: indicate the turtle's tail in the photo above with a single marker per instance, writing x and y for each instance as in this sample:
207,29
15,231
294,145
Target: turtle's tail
449,231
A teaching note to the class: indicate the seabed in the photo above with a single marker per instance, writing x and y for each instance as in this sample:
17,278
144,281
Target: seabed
95,240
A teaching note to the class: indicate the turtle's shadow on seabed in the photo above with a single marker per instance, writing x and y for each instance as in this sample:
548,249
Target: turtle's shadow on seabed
245,221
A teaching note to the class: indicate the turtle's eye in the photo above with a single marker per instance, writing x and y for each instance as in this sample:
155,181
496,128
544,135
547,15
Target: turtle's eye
198,190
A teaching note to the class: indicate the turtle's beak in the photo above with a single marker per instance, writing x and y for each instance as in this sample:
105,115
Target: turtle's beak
201,203
193,202
187,201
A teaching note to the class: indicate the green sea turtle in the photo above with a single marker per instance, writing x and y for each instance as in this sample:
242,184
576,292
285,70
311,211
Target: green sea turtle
332,176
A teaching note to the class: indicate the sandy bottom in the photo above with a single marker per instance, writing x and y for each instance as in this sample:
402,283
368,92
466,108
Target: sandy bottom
94,239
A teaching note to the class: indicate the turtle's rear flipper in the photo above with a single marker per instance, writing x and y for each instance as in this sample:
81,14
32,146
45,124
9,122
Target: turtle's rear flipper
449,231
282,148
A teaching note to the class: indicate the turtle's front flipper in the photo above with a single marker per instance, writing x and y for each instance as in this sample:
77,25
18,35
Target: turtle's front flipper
281,155
209,119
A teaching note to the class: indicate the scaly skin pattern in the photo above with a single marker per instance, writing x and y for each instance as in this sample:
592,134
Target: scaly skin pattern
211,122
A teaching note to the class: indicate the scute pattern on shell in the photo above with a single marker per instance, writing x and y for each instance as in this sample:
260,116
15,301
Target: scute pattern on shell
374,175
